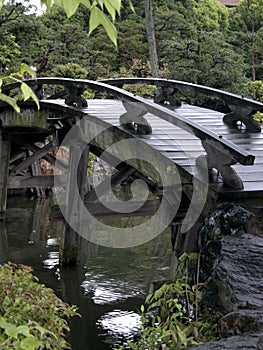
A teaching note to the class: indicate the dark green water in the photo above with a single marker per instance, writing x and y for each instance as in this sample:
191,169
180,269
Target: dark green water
108,286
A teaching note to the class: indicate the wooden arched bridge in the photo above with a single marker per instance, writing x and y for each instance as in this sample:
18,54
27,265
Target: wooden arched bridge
202,137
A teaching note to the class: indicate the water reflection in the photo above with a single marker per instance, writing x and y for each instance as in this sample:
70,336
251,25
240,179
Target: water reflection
108,286
120,325
52,261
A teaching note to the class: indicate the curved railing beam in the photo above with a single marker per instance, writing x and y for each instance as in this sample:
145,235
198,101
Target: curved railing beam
137,106
148,107
242,108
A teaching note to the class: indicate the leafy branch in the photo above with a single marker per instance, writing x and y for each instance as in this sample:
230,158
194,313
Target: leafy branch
97,10
25,91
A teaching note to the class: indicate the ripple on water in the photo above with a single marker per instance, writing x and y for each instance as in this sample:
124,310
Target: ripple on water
119,325
104,291
52,260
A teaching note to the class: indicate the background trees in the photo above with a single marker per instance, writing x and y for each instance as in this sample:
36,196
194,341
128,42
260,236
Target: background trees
200,41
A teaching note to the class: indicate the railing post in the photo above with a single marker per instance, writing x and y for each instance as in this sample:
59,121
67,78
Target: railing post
5,145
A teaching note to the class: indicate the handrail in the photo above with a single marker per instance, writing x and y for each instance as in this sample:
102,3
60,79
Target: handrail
241,108
159,82
147,106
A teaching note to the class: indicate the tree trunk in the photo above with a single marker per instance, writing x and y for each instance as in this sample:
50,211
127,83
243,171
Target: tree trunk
151,38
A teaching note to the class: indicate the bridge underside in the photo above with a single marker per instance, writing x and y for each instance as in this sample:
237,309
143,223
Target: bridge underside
166,160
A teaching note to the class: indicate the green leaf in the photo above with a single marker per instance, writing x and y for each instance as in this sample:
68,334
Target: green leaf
110,9
28,92
116,4
131,6
86,3
24,68
101,3
11,331
25,330
48,3
43,331
11,101
3,323
97,17
70,6
30,343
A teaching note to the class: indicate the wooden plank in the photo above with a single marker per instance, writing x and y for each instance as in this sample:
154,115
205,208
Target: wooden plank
182,122
100,211
46,181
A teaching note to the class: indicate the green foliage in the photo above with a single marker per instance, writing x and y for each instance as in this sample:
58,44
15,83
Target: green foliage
25,91
9,49
198,41
258,117
255,90
172,315
210,15
70,70
31,315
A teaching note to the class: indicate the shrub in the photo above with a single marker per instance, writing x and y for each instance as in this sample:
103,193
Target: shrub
31,315
172,317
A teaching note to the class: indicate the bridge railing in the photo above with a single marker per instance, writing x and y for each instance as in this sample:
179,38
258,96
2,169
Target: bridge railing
136,106
168,91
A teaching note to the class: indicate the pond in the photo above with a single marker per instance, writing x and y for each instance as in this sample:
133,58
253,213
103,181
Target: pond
108,286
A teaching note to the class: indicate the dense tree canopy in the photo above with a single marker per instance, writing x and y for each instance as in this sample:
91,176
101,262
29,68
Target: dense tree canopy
200,41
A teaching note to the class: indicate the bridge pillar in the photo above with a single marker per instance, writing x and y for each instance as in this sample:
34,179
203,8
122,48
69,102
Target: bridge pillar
70,245
5,145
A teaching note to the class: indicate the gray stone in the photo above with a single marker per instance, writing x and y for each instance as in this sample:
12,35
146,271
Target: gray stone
248,342
236,280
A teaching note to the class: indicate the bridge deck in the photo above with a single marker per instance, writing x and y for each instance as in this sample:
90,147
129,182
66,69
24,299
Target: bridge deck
178,146
183,148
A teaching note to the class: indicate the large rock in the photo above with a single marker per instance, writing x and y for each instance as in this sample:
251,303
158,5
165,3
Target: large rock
232,269
247,342
236,279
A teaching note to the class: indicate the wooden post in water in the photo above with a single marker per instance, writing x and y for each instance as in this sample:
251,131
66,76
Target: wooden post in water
77,172
5,145
36,171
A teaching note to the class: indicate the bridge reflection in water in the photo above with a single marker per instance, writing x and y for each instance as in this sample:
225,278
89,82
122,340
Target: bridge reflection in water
108,285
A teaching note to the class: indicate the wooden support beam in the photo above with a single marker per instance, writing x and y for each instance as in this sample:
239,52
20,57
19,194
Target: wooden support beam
69,252
112,160
48,157
5,145
31,159
115,180
36,171
28,181
100,211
